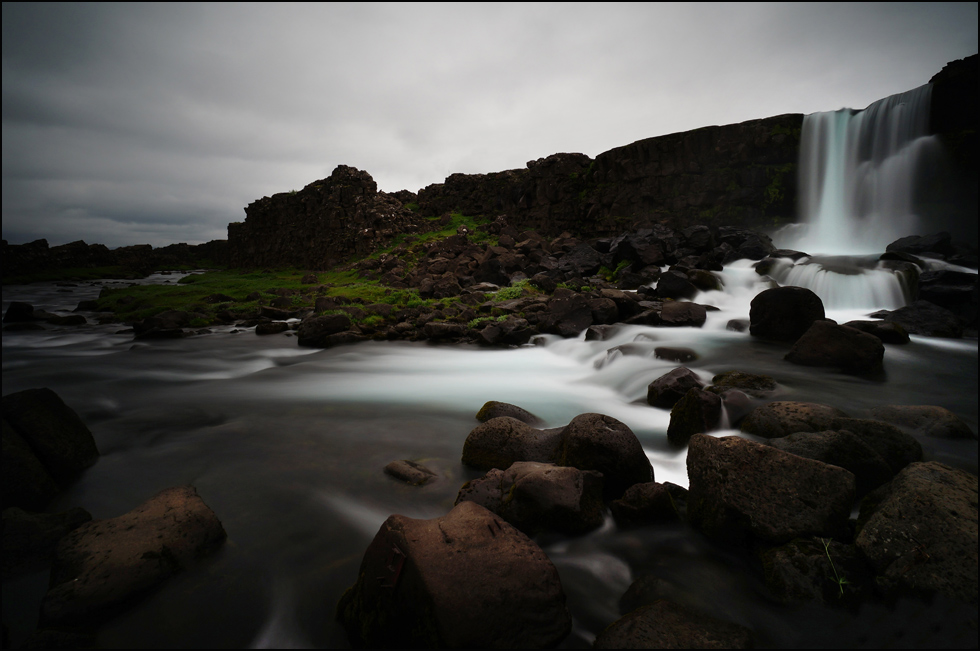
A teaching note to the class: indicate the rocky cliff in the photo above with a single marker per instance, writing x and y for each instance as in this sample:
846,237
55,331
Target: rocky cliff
328,221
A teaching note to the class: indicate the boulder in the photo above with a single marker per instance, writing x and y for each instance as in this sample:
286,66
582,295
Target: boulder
920,532
537,497
697,412
18,311
494,409
925,420
784,313
271,328
102,566
842,449
501,441
925,318
26,482
846,349
741,491
673,354
889,333
897,448
602,443
811,569
683,314
644,504
782,418
436,331
675,284
756,386
568,314
316,331
666,625
409,472
465,580
54,432
665,391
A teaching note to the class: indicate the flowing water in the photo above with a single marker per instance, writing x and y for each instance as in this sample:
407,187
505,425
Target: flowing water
287,444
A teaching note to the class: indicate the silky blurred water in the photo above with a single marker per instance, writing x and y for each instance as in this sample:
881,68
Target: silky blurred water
287,445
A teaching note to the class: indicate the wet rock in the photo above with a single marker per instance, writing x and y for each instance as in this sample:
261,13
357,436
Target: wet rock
465,580
666,625
675,284
102,566
889,333
782,418
569,313
925,318
665,391
811,569
26,483
512,331
494,409
29,539
784,313
842,449
18,311
920,532
897,448
697,412
742,491
537,497
54,432
681,355
846,349
644,504
272,328
681,314
599,332
602,443
410,472
919,244
501,441
925,420
316,331
436,331
581,261
757,386
737,325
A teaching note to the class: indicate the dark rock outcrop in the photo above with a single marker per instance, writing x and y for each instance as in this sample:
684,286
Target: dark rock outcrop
644,504
925,420
501,441
602,443
846,349
697,412
842,449
783,418
465,580
784,313
666,625
665,391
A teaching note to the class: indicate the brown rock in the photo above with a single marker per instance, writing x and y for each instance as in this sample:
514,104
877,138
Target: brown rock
665,391
926,420
697,412
465,580
598,442
501,441
495,409
410,472
782,418
784,313
666,625
846,349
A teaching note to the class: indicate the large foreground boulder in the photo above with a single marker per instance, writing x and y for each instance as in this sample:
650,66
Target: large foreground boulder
741,491
465,580
536,497
784,313
104,565
920,532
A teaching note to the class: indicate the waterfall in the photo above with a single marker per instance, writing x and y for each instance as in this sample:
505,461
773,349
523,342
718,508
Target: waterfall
858,172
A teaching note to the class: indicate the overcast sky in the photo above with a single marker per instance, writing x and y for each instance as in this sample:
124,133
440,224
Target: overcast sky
127,124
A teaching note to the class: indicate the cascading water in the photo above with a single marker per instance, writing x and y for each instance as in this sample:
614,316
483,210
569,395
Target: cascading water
858,173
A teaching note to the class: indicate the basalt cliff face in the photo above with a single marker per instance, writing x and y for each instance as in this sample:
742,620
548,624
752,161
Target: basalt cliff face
740,175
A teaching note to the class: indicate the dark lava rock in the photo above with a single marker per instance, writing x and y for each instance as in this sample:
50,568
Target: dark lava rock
602,443
537,497
54,432
568,314
697,412
494,409
409,472
102,566
897,448
784,313
811,569
465,580
842,449
436,331
666,390
316,331
18,311
920,532
681,314
675,284
925,318
889,333
501,441
926,420
644,504
783,418
742,491
29,539
919,244
846,349
756,386
666,625
273,328
681,355
26,483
